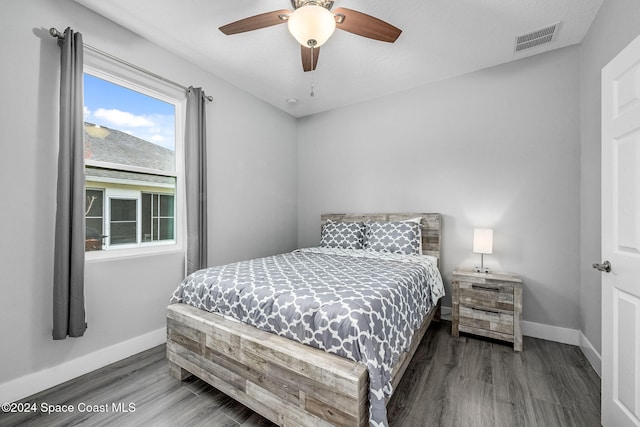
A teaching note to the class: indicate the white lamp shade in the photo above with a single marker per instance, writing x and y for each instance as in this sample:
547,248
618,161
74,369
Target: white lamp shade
311,22
483,240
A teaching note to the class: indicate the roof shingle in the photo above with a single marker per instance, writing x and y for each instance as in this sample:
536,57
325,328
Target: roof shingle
110,145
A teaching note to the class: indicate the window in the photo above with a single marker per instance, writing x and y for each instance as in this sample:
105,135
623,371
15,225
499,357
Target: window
123,224
94,218
158,217
132,155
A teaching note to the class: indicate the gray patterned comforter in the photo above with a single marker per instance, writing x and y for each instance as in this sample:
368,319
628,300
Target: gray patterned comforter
359,304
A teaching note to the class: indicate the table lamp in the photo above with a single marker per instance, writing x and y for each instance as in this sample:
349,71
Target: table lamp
482,244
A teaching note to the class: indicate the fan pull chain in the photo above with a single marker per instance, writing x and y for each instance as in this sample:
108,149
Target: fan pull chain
312,71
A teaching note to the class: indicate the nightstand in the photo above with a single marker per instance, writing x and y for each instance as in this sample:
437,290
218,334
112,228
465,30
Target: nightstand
487,304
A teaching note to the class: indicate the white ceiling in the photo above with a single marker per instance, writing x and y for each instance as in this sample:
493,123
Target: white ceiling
440,39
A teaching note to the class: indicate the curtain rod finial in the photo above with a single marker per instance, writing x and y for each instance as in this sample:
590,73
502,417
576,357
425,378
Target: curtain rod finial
55,33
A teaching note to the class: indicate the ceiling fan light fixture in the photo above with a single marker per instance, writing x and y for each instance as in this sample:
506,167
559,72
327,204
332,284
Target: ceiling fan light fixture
311,25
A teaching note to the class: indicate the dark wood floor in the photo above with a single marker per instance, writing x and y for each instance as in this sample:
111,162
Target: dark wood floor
450,382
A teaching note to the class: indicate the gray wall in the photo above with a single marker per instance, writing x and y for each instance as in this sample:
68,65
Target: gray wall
497,148
252,183
615,26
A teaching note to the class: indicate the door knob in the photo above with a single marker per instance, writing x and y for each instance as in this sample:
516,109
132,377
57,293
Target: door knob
605,266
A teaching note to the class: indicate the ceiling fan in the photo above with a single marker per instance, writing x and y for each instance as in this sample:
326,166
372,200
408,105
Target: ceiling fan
311,22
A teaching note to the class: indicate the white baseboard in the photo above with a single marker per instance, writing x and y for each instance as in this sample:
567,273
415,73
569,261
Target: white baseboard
27,385
551,333
591,354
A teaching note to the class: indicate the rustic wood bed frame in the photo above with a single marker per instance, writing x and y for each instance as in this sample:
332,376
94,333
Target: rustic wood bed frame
289,383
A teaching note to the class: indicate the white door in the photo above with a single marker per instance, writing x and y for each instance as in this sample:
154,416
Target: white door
621,239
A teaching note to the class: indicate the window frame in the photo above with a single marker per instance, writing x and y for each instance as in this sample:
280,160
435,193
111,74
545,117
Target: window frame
105,68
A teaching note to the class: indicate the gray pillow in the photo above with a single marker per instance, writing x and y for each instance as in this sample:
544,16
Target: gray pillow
400,237
345,235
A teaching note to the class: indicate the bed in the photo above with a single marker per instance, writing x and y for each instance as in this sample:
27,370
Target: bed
268,368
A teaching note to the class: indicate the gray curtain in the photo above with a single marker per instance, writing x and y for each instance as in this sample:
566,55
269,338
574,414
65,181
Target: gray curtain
68,275
196,180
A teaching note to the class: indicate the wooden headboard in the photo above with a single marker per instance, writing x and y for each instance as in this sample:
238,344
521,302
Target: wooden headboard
431,226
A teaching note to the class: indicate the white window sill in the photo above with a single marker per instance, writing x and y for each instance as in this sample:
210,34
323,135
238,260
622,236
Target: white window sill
111,254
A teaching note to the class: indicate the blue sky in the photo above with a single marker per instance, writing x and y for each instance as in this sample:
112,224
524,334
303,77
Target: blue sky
116,107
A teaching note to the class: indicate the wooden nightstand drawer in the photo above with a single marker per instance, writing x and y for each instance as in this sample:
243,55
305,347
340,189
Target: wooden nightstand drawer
490,320
487,304
488,295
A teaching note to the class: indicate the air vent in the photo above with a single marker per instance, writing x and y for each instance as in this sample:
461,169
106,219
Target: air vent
536,38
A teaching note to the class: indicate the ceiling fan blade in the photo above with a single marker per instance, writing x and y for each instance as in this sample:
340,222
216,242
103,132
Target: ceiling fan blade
366,25
306,57
255,22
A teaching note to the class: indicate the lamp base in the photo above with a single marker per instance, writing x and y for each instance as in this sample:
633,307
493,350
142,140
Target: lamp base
481,270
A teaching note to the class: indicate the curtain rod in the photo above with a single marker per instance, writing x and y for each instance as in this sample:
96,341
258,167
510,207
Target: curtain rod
57,34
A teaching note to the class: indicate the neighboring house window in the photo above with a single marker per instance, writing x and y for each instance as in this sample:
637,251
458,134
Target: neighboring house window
132,154
123,224
158,218
95,219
